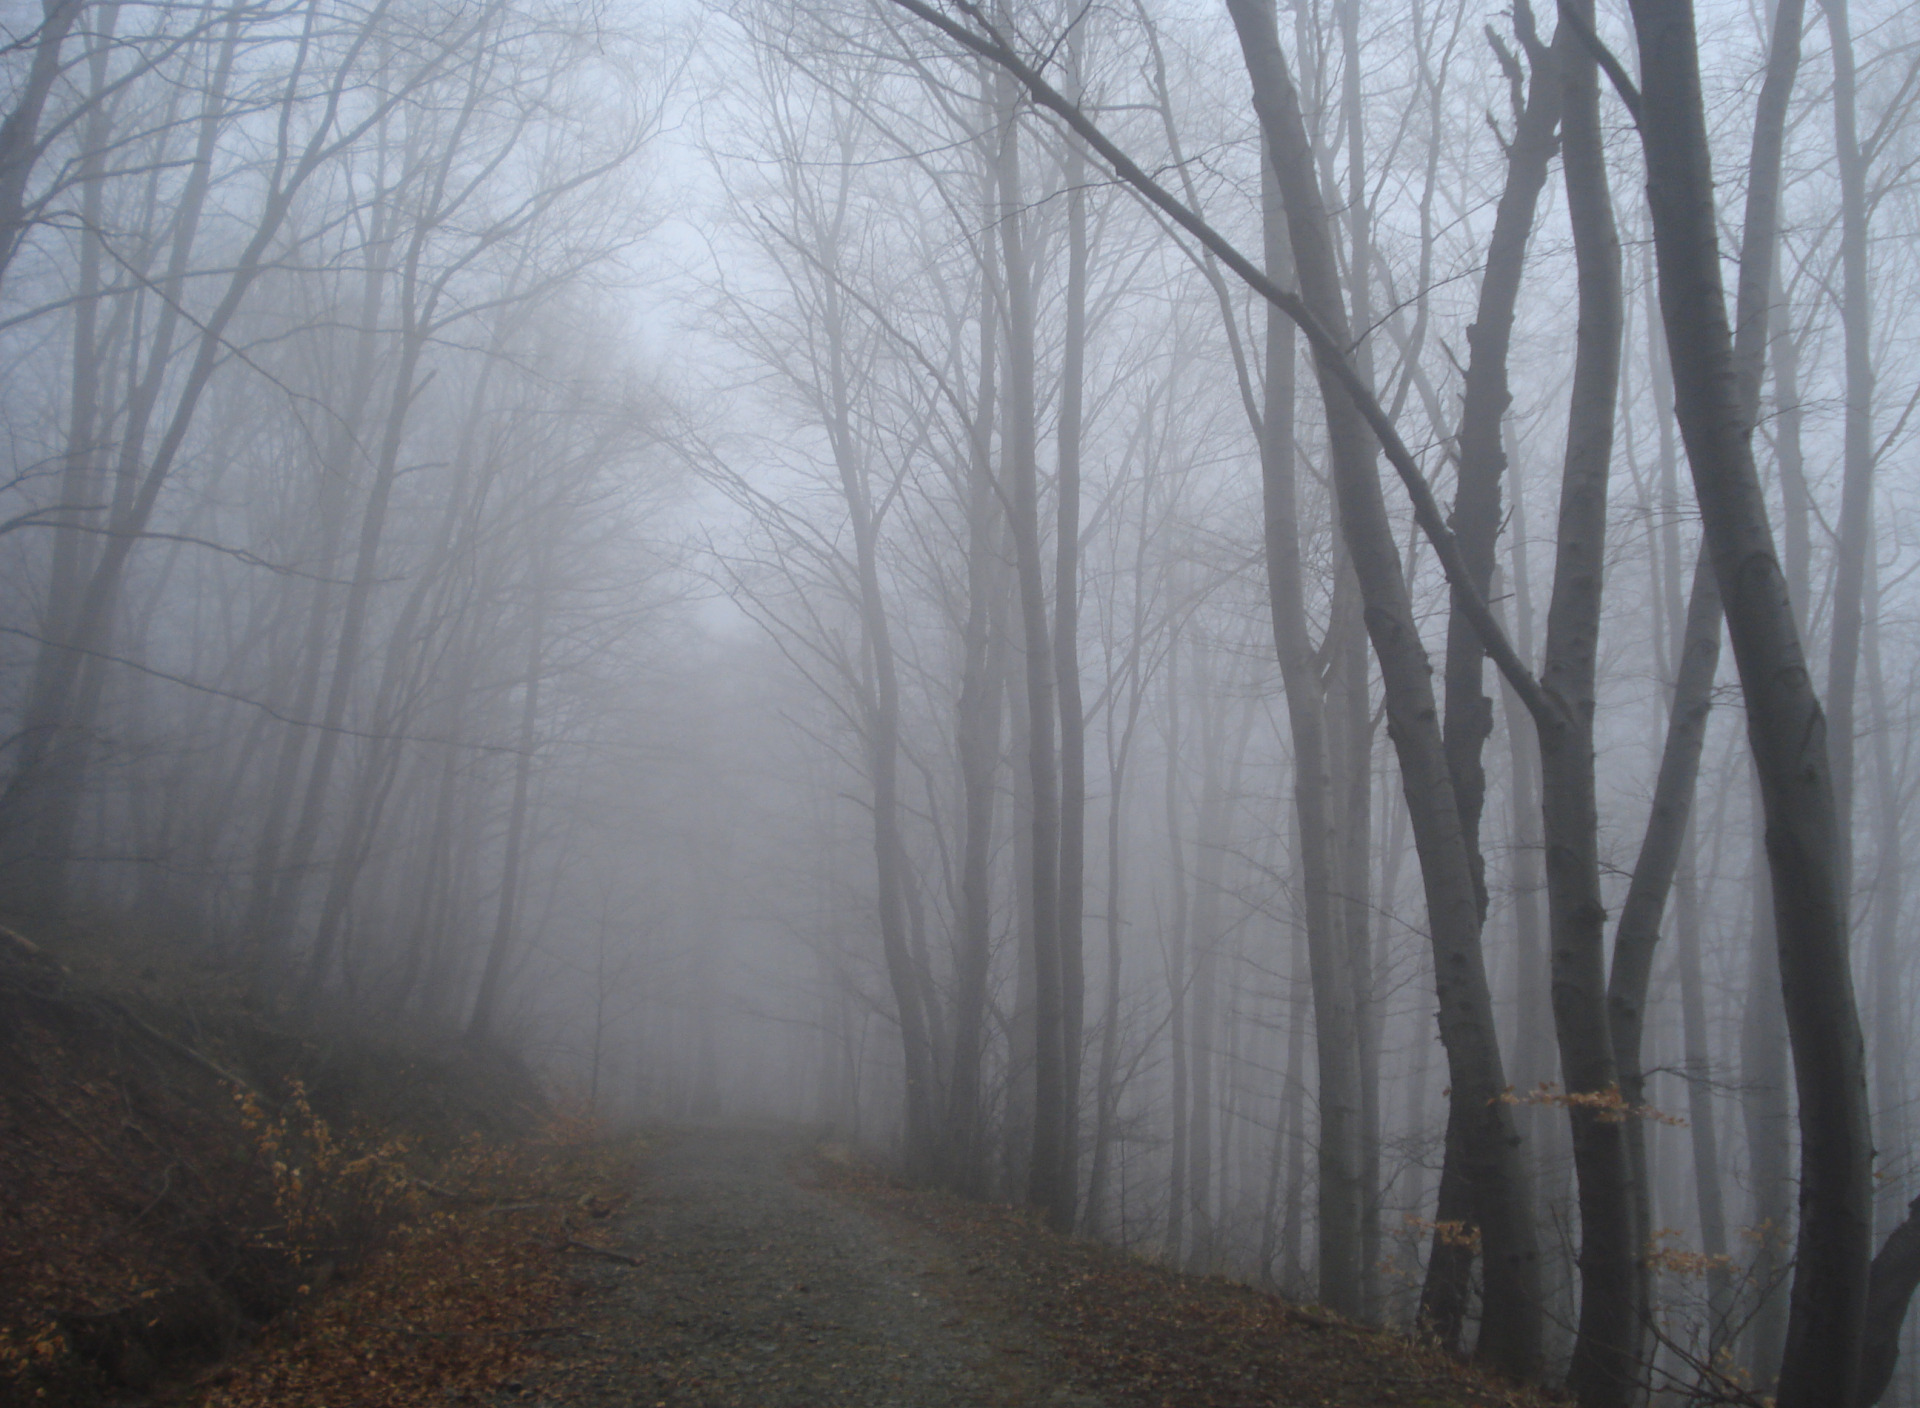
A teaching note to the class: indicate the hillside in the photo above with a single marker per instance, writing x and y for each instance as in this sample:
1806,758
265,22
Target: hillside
197,1204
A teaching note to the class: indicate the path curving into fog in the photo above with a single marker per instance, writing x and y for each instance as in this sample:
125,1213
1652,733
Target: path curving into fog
757,1286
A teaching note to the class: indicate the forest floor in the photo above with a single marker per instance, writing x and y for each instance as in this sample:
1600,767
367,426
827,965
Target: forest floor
754,1266
199,1210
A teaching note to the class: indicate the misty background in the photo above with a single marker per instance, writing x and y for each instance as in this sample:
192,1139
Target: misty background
718,547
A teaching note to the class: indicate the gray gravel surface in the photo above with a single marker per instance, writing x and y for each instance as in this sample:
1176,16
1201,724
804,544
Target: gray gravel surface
754,1286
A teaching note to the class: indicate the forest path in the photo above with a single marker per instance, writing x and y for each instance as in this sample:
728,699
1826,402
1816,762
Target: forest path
755,1284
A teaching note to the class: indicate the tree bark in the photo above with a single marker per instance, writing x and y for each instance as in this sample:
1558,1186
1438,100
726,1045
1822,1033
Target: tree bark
486,1002
1047,1189
1336,1034
1178,971
977,730
1485,397
20,142
1066,669
1510,1335
1856,488
1604,1372
1786,728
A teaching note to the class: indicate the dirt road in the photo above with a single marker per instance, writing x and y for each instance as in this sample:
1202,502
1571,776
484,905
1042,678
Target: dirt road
757,1286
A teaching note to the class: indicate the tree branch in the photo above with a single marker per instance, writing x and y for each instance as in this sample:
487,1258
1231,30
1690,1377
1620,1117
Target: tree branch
990,46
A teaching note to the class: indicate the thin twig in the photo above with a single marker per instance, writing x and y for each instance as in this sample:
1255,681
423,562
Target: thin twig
570,1244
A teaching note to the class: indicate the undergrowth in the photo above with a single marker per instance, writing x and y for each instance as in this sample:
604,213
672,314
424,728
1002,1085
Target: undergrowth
198,1206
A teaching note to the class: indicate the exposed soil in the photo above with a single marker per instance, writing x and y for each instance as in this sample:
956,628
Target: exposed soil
759,1283
752,1267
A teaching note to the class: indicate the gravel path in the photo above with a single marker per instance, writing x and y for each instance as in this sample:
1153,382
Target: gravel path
757,1287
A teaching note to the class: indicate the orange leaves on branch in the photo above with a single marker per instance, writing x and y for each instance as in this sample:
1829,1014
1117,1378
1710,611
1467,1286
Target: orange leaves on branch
1608,1106
1664,1253
1450,1232
335,1194
461,1300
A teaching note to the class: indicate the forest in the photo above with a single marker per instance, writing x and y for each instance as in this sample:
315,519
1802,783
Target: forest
1282,633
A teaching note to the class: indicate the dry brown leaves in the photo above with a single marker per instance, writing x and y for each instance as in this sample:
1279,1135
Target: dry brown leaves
464,1302
154,1218
1141,1335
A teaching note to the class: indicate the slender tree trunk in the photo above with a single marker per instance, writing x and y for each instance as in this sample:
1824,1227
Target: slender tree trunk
486,1003
1337,1042
1510,1337
20,140
1106,1092
1066,669
86,423
1856,491
1178,972
1353,711
1604,1372
1485,397
1768,1115
1047,1188
1220,783
1299,1016
1119,750
978,734
1886,961
1702,1118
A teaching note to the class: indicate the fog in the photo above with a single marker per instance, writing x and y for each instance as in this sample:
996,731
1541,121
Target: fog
1288,637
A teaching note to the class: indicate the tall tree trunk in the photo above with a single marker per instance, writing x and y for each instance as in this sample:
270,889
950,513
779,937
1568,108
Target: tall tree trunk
42,798
1066,669
1352,713
1336,1033
1510,1335
1047,1188
20,141
1768,1116
1856,490
977,729
1702,1117
1604,1372
1485,397
1106,1090
1697,656
1786,728
1221,771
1886,961
1178,971
486,1002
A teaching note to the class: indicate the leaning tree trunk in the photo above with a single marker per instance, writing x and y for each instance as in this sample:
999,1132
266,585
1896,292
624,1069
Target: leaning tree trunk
1785,727
1697,650
1510,1333
1475,521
